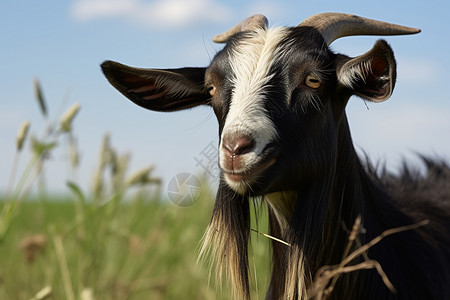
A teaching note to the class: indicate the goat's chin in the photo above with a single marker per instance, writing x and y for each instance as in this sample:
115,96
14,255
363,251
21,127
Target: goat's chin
250,182
240,187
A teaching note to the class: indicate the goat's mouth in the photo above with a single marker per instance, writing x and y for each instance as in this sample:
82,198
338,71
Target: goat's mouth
241,180
249,174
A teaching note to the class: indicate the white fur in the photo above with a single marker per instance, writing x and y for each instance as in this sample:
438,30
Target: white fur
251,62
348,76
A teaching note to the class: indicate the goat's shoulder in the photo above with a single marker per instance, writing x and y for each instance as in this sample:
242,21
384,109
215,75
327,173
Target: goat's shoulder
421,194
415,195
414,187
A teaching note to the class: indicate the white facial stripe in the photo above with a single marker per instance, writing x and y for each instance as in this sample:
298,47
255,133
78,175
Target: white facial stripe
251,62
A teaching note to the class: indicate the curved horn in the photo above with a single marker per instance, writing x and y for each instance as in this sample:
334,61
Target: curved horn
251,23
336,25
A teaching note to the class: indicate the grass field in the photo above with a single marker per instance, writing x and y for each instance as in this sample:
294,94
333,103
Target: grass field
121,240
142,249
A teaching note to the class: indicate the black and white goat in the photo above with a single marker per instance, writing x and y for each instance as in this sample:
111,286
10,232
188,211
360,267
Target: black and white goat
279,95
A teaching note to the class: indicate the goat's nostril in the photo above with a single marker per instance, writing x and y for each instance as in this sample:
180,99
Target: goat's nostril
238,145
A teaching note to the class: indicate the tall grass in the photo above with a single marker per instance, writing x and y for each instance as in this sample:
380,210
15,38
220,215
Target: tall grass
145,250
121,240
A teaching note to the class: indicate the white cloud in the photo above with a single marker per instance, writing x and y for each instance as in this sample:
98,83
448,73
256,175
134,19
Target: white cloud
156,13
87,9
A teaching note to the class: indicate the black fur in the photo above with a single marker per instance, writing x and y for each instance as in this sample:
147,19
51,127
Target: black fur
317,165
416,262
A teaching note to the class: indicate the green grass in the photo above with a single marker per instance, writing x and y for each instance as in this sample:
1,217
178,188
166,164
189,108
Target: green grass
110,245
140,249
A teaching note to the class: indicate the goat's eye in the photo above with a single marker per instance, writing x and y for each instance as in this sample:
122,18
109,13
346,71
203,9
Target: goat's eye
313,81
212,90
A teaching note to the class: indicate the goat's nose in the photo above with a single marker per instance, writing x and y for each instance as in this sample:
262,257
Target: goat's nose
237,145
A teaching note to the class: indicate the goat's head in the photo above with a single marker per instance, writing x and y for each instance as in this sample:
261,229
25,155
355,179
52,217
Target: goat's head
279,95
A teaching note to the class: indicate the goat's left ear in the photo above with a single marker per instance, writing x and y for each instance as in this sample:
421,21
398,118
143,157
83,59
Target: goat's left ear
159,90
370,76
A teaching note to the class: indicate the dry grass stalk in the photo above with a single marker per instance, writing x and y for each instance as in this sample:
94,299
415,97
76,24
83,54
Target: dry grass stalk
356,229
45,293
271,237
321,286
106,155
64,268
74,155
87,294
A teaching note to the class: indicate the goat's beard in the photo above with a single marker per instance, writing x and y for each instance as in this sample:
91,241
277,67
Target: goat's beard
226,239
226,244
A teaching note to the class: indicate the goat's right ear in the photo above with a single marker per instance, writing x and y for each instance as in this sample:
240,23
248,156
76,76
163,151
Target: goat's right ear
370,76
159,90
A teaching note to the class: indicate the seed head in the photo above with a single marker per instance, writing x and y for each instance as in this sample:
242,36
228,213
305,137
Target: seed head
140,177
22,134
40,97
67,118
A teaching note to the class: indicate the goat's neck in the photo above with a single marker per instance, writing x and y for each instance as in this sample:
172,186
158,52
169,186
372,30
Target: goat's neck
353,194
338,197
331,208
316,220
282,204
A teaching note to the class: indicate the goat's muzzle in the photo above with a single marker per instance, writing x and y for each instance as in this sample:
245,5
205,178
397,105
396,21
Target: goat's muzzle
240,163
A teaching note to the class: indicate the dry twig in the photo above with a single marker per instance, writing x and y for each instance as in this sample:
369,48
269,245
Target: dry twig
319,290
271,237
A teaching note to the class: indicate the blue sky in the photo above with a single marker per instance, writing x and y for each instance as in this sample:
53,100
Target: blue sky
62,44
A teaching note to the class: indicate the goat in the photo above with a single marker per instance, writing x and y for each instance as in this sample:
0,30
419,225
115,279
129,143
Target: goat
279,95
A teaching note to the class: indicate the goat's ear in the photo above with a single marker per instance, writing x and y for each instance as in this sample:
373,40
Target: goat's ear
159,90
370,76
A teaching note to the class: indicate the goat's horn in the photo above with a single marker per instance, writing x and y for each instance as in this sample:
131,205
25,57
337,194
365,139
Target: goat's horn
251,23
336,25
